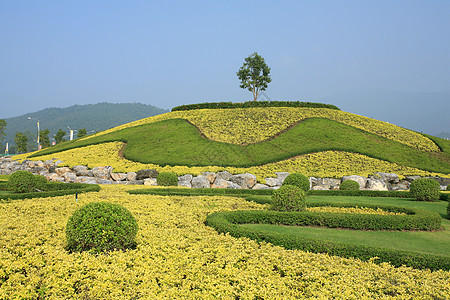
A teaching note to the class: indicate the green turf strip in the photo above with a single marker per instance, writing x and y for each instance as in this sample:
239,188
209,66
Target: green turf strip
176,142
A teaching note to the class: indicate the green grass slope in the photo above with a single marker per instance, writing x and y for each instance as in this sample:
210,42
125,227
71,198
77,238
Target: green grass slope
176,142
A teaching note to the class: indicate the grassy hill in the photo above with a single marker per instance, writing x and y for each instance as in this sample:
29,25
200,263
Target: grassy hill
317,141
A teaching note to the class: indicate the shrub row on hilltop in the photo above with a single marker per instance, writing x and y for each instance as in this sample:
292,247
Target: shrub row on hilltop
223,105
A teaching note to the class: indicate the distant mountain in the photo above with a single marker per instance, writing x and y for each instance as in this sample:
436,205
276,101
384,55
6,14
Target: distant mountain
92,117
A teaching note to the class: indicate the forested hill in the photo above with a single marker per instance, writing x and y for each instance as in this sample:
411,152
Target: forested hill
92,117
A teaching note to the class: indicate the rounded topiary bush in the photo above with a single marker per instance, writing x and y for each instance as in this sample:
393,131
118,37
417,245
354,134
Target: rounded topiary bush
167,179
349,185
22,182
40,181
101,226
298,180
425,189
289,198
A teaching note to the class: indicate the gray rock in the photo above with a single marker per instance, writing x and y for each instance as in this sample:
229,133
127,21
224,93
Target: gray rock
61,171
319,188
211,176
260,186
150,181
185,183
282,176
58,162
131,176
442,181
118,176
246,181
104,181
225,175
388,177
69,177
136,182
222,184
81,171
359,179
376,185
146,173
401,186
187,177
102,172
411,178
273,181
200,182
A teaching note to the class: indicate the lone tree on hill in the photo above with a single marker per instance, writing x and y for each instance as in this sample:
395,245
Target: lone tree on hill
81,132
254,74
43,137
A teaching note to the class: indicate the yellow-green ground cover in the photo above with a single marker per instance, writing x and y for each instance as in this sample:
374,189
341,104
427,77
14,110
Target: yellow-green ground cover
252,125
178,257
322,164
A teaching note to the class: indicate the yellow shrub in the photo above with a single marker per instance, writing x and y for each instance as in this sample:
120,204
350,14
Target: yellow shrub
178,257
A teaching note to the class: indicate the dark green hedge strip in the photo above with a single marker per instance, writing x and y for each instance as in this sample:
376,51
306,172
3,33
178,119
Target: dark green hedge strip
224,222
54,189
413,220
366,193
217,105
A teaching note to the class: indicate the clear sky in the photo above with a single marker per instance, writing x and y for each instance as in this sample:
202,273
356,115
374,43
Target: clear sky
168,53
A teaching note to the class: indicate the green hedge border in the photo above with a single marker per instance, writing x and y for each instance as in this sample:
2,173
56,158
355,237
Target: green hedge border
53,189
247,193
221,105
227,222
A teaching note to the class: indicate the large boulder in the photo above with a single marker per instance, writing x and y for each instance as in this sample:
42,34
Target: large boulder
246,181
210,175
185,183
102,172
324,183
225,184
401,186
131,176
61,171
82,171
200,182
225,175
281,176
187,178
260,186
359,179
70,177
146,173
388,177
273,181
150,181
376,185
118,176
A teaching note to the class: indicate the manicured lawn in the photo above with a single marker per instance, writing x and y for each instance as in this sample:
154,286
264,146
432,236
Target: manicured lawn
176,142
437,243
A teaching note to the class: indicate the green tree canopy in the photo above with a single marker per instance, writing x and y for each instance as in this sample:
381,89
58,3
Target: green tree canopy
59,136
2,129
254,75
21,142
43,138
81,132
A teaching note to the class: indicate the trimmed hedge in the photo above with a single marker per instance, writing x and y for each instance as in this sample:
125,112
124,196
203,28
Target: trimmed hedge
425,189
349,185
227,222
53,189
298,180
248,193
289,198
167,179
219,105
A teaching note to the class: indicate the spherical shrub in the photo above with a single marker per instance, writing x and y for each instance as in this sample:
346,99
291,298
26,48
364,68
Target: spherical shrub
40,181
349,185
21,182
298,180
425,189
167,179
288,198
101,226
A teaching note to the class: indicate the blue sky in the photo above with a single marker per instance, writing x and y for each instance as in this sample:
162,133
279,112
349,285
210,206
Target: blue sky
168,53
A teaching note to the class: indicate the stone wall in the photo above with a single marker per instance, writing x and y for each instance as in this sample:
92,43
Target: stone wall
106,175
